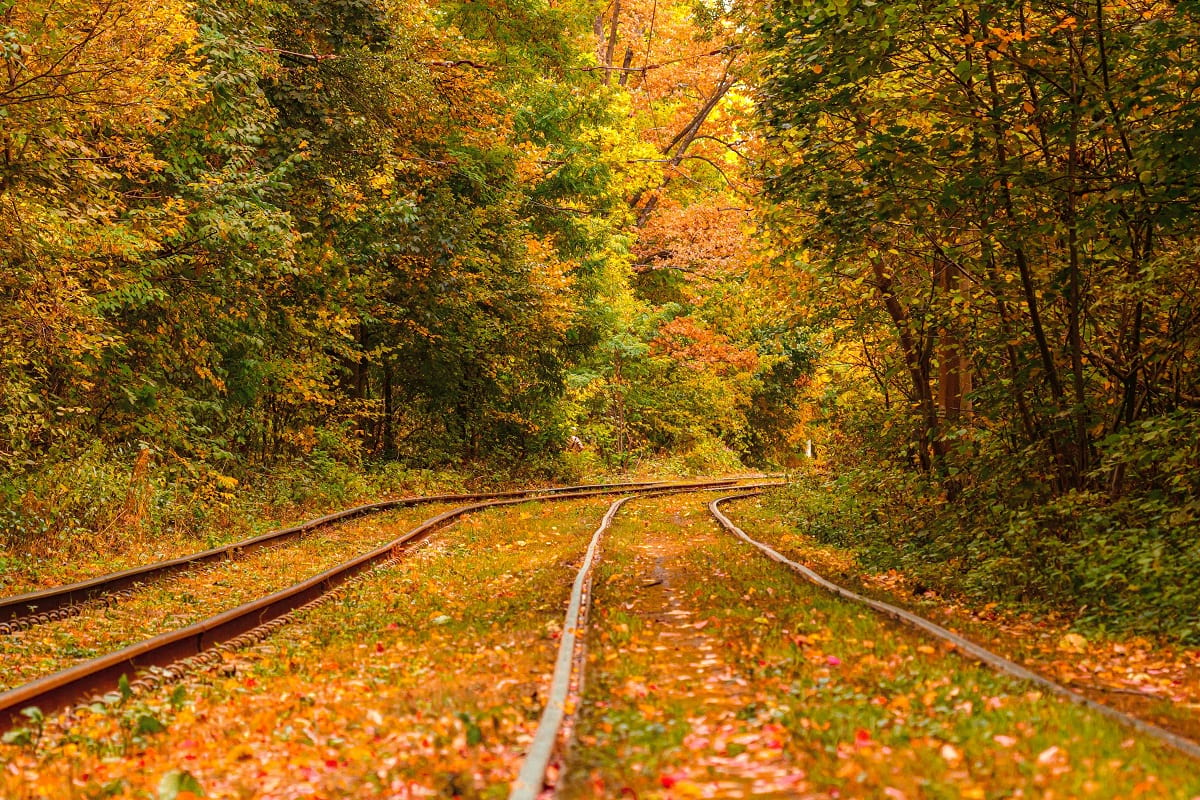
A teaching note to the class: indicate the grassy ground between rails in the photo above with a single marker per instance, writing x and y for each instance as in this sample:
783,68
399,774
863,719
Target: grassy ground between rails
1156,680
427,679
714,672
179,600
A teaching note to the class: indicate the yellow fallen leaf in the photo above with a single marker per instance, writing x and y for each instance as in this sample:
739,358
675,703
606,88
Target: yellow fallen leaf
1072,643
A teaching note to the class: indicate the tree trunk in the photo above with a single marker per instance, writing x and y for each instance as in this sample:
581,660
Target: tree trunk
612,40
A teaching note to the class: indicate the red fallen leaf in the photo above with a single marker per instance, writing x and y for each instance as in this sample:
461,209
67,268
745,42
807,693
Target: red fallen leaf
379,647
862,738
833,661
667,780
331,763
391,626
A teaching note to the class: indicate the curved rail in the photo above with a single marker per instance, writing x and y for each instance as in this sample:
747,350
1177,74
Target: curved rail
568,667
58,602
964,645
60,689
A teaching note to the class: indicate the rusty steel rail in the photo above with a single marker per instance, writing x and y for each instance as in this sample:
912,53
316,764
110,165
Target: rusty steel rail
962,645
59,602
553,736
61,689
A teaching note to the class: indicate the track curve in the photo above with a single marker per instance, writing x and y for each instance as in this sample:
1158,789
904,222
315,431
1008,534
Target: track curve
961,643
58,602
567,679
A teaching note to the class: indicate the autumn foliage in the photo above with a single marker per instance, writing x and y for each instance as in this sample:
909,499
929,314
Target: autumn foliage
245,236
991,208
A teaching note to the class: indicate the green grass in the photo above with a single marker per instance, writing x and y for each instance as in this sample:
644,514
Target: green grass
894,713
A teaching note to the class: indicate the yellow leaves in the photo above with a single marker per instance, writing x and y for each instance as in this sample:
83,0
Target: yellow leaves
530,162
1072,643
685,789
226,482
383,182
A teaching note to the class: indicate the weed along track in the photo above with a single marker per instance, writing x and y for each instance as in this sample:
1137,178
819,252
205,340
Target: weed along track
441,653
954,640
539,770
101,673
144,611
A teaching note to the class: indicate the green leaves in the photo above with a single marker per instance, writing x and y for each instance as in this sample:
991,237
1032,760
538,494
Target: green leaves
147,725
474,734
177,782
26,736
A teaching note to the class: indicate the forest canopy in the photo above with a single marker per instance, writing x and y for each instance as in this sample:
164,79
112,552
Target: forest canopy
241,236
993,207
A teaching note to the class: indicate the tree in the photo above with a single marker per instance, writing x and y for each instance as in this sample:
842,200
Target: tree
1007,182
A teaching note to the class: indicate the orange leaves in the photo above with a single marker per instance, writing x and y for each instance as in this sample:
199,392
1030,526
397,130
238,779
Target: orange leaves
367,698
688,341
703,238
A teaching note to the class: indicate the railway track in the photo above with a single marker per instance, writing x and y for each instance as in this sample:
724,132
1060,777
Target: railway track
159,606
544,765
63,689
23,611
553,736
961,644
548,756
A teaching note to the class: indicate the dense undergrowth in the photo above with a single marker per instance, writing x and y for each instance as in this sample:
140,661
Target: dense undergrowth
1125,563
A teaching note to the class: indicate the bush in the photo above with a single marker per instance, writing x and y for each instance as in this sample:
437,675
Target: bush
1122,562
707,456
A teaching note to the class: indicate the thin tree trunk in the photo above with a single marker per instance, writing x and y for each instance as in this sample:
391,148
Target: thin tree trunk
387,446
612,40
917,362
625,66
680,144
